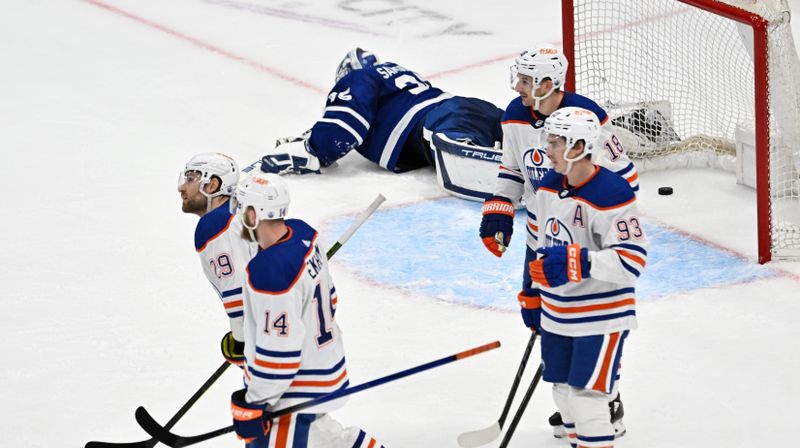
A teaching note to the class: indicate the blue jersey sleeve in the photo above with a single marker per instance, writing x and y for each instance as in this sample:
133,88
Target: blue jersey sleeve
349,110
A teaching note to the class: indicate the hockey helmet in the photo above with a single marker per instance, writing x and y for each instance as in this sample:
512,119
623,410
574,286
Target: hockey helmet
574,124
266,193
206,166
540,63
355,59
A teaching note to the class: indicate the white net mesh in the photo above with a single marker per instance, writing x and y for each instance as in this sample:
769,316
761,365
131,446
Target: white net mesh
678,81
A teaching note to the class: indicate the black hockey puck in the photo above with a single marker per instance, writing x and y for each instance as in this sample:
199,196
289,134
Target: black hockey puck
665,191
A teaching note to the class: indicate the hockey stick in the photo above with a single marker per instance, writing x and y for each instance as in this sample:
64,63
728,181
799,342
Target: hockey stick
150,443
522,406
163,434
356,224
480,437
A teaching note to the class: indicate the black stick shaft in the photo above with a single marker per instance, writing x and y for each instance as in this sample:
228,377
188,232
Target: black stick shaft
518,416
517,378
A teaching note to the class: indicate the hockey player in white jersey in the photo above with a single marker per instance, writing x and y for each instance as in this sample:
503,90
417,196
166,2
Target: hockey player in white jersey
293,345
206,184
582,296
538,76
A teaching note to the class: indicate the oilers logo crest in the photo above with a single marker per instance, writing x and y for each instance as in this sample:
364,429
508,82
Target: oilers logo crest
556,234
535,165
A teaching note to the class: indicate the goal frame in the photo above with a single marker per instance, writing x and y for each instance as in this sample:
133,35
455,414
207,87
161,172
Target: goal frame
760,94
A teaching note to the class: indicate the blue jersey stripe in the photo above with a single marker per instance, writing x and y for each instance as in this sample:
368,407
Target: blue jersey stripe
625,170
269,376
231,292
630,268
599,295
639,249
277,354
236,314
322,371
581,320
510,177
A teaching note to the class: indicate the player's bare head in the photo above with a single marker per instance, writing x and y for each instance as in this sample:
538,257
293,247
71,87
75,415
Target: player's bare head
572,133
537,73
261,201
355,59
206,178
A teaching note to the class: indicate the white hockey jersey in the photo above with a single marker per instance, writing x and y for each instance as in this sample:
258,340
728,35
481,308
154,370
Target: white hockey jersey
224,255
524,160
293,346
599,215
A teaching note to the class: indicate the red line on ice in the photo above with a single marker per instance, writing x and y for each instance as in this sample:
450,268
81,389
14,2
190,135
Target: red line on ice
209,47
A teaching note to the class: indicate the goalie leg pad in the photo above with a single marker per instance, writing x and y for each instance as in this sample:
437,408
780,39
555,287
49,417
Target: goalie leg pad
464,169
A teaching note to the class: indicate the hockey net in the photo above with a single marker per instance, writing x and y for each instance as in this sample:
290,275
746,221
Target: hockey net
680,78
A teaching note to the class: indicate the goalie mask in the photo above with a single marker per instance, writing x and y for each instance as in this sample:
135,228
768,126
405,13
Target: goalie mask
204,167
543,62
356,59
266,193
574,124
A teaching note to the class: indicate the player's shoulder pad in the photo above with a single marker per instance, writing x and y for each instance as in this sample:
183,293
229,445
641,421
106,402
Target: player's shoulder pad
552,181
275,269
576,100
517,112
607,190
212,225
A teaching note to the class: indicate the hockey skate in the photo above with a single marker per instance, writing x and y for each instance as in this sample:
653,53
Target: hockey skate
615,409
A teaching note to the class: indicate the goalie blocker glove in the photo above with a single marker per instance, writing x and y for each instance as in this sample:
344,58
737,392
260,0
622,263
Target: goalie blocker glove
497,224
560,265
250,421
291,156
232,350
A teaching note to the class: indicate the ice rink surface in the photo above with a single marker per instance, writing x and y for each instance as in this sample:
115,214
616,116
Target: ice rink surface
105,307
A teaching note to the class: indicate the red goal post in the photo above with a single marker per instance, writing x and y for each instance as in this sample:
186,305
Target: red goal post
661,58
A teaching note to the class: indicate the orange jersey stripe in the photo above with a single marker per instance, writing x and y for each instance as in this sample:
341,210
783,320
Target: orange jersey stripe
515,122
371,443
278,365
631,256
282,439
600,384
633,178
585,308
297,383
233,304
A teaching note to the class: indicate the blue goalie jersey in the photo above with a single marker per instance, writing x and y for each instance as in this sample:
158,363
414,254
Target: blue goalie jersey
373,110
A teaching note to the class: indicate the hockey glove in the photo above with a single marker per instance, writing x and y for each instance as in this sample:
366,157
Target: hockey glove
250,421
497,224
559,265
531,307
232,350
291,156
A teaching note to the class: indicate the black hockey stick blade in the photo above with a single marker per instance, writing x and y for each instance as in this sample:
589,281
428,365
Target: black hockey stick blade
150,443
178,415
163,435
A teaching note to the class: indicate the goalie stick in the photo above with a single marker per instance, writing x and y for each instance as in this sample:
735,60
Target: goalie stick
150,443
163,435
483,436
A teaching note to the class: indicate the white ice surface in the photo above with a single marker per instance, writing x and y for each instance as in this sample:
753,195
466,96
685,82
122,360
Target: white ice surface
105,307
